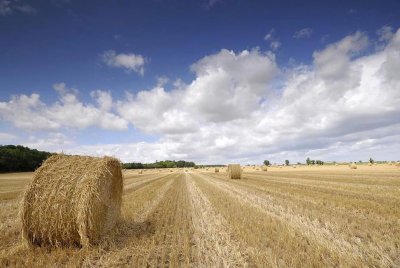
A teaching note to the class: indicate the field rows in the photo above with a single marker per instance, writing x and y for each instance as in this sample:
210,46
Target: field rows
268,219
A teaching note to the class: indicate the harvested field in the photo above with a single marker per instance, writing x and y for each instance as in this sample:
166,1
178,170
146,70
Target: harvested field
308,216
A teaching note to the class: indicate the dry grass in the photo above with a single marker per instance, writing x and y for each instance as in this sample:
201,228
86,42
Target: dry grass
305,217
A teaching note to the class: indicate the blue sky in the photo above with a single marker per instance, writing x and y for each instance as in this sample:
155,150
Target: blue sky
158,77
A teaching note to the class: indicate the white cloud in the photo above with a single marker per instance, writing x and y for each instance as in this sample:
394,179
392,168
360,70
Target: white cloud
303,33
8,7
229,86
67,112
129,62
274,42
5,7
385,33
241,107
7,137
52,142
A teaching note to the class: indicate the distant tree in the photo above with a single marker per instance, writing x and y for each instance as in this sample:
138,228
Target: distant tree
267,163
298,163
371,160
19,158
287,162
308,161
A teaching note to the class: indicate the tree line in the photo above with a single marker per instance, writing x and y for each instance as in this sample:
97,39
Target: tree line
17,158
159,164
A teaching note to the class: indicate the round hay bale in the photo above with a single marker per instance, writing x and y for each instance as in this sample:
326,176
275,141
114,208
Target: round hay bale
353,166
72,201
234,171
264,168
370,164
140,172
216,170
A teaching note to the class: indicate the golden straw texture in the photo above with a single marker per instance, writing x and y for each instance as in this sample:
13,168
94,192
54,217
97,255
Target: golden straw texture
264,168
234,171
72,200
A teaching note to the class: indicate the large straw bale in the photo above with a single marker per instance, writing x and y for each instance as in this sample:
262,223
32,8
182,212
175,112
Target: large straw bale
216,170
264,168
353,166
72,200
234,171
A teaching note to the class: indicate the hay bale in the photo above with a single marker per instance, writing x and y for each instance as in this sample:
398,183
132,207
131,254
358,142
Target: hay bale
216,170
353,166
264,168
234,171
72,201
370,164
140,172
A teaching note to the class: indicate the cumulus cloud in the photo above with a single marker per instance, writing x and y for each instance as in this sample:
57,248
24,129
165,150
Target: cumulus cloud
51,142
129,62
303,33
67,112
228,86
344,105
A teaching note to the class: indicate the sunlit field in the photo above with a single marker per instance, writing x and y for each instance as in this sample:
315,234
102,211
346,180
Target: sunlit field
300,216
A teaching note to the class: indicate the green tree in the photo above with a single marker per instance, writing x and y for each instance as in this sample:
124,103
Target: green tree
371,160
287,162
308,161
267,163
19,158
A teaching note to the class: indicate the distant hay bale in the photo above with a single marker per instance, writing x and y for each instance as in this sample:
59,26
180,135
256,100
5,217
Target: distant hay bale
72,201
264,168
353,166
370,164
294,166
234,171
398,164
140,172
216,170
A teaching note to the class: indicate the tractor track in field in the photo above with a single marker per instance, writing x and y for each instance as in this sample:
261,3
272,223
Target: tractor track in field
322,234
212,232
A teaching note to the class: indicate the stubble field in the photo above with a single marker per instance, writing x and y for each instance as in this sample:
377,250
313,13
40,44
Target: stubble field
297,217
